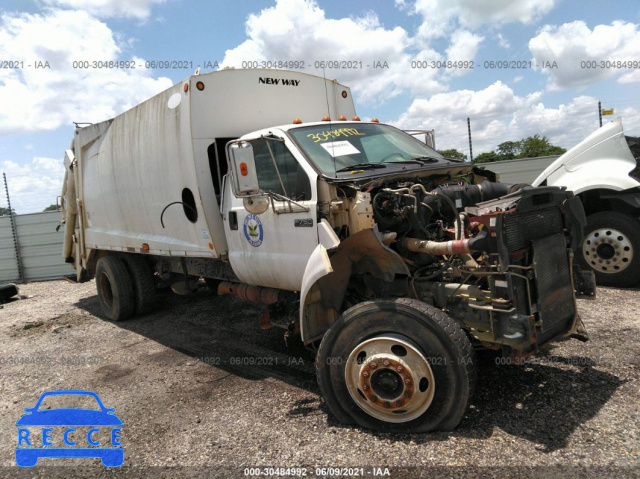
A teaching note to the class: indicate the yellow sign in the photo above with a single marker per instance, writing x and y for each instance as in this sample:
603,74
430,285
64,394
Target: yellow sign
607,112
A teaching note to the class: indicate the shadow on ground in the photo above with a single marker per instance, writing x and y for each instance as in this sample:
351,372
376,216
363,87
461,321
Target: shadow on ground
544,401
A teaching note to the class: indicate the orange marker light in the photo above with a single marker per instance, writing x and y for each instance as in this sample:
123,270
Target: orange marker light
145,247
342,118
326,118
297,121
375,120
344,94
210,245
200,86
244,171
355,118
186,87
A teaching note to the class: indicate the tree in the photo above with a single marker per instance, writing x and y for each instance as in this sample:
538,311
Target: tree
6,212
509,150
453,154
535,146
487,157
51,208
530,147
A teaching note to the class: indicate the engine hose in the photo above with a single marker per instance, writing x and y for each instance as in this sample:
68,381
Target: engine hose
450,202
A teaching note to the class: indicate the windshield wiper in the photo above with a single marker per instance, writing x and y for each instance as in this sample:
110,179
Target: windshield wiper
426,159
412,161
362,166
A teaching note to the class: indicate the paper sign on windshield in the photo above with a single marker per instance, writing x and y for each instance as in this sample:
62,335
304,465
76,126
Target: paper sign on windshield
340,148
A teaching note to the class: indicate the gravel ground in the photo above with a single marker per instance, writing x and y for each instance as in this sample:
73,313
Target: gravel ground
202,391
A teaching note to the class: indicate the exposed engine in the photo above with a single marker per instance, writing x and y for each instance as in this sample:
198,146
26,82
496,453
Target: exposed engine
437,217
495,256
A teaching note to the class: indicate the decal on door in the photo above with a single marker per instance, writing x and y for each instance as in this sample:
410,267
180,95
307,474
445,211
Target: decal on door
253,230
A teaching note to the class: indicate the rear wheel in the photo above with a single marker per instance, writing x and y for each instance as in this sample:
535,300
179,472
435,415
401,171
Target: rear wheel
396,366
144,286
115,288
611,247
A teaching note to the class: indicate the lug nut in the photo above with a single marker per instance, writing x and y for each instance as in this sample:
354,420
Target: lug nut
407,394
386,363
374,365
365,374
407,381
386,404
365,387
399,369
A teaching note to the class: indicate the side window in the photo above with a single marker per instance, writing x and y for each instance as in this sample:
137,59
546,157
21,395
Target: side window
295,180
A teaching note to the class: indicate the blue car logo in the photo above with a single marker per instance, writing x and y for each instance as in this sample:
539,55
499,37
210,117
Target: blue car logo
34,443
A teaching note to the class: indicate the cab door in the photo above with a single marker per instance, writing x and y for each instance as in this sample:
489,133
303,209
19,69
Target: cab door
271,248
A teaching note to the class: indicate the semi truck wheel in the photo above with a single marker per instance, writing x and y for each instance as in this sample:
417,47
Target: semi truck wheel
612,248
144,286
396,366
115,288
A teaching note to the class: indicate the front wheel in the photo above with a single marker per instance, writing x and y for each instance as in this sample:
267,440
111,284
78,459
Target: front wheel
396,366
611,247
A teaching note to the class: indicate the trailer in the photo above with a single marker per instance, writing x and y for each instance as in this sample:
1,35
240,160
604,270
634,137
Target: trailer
392,263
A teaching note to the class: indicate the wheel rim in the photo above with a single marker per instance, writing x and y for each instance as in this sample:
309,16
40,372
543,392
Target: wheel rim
390,379
607,250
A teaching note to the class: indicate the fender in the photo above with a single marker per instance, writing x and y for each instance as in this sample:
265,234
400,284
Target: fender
328,273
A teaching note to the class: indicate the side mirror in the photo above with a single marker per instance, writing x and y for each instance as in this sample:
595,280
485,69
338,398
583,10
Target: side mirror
256,204
243,166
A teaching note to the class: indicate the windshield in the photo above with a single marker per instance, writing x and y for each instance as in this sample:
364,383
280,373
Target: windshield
348,147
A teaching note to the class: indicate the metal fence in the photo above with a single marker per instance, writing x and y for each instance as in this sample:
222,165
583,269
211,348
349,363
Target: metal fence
39,252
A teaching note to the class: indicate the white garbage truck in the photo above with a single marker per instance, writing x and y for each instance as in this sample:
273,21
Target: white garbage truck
390,262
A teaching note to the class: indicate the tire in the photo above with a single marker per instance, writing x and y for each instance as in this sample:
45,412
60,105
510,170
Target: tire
144,285
404,356
115,288
611,248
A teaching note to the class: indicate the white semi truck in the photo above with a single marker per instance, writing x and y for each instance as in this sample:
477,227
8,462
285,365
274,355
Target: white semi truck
391,262
603,170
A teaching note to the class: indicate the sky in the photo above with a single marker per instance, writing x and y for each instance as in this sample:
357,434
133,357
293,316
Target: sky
515,69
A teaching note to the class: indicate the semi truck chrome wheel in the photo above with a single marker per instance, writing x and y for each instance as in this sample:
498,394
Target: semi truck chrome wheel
399,366
390,379
611,248
608,250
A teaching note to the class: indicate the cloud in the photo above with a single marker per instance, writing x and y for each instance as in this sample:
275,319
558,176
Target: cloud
631,77
579,50
38,99
139,9
497,114
35,185
502,41
440,16
299,30
464,46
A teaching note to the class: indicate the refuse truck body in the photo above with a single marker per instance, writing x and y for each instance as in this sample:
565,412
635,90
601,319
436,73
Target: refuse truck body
389,261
